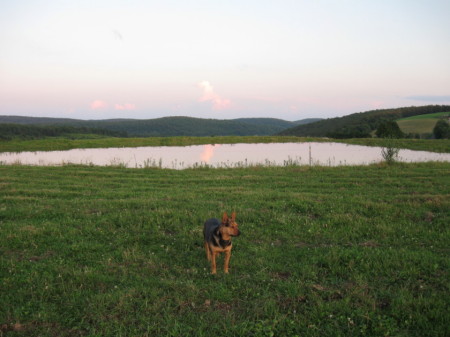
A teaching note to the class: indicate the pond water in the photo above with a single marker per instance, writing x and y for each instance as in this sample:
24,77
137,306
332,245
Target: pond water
219,155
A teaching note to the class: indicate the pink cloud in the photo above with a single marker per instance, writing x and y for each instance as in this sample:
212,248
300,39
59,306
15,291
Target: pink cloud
127,106
218,103
98,104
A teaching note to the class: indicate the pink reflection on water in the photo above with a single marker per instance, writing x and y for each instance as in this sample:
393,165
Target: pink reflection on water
208,152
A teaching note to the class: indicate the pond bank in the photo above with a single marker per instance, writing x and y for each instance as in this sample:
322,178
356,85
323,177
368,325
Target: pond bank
60,144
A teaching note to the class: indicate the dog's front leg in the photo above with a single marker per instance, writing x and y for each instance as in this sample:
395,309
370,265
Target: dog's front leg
213,262
227,260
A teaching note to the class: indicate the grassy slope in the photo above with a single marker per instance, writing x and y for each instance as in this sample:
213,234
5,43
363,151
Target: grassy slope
364,121
349,251
421,124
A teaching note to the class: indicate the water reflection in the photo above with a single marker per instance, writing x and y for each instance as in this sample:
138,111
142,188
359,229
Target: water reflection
225,155
208,152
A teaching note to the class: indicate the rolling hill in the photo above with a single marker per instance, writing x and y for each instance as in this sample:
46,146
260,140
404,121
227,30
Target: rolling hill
359,125
168,126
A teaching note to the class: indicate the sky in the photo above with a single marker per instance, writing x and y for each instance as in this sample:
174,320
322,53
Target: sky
223,59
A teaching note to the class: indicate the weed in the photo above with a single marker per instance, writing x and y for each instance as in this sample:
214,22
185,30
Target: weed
390,153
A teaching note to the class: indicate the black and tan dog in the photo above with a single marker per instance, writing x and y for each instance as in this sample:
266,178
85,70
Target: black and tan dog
217,237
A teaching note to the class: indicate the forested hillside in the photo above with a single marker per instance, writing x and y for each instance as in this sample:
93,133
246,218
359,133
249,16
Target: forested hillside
359,125
11,131
162,127
187,126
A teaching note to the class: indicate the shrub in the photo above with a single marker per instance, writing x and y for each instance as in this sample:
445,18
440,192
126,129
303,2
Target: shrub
389,129
441,129
390,152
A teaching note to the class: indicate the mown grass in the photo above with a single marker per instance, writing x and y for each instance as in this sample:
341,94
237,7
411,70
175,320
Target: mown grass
436,115
418,126
58,144
103,251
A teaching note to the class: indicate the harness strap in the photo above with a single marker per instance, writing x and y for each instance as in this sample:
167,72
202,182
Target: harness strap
218,241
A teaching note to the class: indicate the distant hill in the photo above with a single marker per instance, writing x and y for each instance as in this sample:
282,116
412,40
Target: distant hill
359,125
168,126
307,121
38,120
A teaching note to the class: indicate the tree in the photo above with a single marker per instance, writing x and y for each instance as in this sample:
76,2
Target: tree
441,129
389,129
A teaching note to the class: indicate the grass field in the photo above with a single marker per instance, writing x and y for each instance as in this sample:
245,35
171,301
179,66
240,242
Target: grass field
421,124
53,144
348,251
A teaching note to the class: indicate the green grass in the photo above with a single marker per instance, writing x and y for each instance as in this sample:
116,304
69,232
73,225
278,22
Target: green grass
53,144
348,251
427,116
421,124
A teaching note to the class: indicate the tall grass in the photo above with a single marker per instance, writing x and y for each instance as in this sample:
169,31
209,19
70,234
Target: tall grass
109,251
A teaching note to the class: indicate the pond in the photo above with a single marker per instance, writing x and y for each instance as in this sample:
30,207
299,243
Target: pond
219,155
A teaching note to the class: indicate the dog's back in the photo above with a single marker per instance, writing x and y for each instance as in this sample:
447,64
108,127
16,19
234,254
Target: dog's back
210,228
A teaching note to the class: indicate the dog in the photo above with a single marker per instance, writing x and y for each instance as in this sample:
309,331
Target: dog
217,237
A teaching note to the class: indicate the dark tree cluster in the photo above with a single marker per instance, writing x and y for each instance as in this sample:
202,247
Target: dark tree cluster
442,129
389,129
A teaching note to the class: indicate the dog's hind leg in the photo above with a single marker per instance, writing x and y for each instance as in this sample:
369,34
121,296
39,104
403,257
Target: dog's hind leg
208,252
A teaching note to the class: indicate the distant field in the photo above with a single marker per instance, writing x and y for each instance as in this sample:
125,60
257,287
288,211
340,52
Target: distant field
420,124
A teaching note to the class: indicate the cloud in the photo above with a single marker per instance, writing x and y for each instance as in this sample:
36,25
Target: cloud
430,98
218,103
117,35
127,106
98,105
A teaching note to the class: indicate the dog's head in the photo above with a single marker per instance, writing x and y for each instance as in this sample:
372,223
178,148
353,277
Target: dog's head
229,225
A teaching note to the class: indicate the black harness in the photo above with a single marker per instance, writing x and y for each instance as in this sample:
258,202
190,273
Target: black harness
218,241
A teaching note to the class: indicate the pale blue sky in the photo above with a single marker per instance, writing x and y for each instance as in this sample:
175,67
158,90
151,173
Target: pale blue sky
221,59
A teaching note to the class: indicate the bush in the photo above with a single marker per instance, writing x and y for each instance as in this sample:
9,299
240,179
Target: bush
441,130
389,129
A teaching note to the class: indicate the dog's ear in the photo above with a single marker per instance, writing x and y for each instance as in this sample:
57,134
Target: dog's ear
225,217
233,216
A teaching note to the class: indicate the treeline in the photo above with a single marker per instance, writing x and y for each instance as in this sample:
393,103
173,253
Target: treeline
18,131
169,126
359,125
189,126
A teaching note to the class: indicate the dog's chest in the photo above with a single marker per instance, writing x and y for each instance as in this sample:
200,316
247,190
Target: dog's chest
218,241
